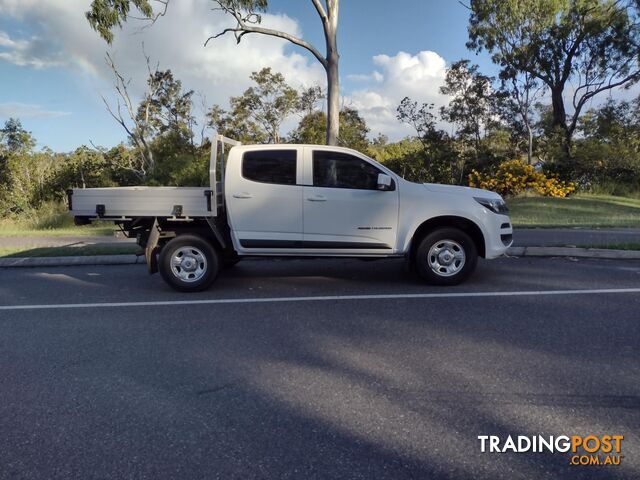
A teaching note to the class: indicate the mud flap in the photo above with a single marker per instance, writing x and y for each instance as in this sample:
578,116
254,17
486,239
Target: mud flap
150,250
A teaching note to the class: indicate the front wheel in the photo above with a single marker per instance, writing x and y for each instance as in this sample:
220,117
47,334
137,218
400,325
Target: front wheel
189,263
446,256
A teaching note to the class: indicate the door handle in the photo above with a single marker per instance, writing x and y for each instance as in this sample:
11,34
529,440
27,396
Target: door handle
317,198
242,195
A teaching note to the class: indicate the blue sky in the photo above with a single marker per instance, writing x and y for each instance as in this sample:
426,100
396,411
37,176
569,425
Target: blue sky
369,28
53,73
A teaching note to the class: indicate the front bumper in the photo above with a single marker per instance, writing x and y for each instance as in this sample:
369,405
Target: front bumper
499,235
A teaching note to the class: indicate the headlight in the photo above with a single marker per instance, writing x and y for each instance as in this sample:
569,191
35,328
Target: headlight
496,205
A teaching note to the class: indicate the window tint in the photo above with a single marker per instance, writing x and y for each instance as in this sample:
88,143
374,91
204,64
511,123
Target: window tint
340,170
270,166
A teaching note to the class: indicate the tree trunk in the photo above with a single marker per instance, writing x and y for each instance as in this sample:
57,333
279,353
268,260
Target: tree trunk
530,150
333,78
148,162
568,141
560,118
333,103
559,114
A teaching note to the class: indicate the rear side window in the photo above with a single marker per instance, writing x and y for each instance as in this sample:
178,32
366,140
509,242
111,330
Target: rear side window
341,170
270,166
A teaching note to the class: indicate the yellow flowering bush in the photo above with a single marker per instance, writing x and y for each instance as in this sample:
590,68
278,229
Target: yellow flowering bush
514,176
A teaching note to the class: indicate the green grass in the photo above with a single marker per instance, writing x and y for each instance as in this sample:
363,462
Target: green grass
83,251
577,211
85,230
50,220
614,246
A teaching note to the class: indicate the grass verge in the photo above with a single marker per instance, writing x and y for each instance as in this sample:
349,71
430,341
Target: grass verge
50,220
84,231
614,246
83,251
582,210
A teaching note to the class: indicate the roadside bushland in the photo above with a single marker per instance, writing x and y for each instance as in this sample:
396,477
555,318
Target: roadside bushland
485,149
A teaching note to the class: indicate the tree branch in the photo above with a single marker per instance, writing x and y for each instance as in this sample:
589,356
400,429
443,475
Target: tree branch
321,11
248,25
590,94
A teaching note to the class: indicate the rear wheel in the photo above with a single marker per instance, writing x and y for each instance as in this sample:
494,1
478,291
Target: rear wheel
189,263
446,256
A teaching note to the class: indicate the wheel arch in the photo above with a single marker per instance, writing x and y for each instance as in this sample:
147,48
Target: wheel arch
466,225
190,276
201,228
157,232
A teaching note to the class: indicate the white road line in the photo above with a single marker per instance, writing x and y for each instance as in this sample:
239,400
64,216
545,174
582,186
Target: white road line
330,298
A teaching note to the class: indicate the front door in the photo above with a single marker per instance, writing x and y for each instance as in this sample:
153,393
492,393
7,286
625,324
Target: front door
343,209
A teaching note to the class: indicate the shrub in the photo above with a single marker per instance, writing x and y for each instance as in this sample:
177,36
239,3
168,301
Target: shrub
49,215
514,177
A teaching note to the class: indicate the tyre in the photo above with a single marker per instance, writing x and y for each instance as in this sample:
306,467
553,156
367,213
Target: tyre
189,263
229,262
446,256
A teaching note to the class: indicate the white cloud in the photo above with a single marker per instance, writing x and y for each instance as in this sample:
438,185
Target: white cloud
25,110
176,41
374,76
31,52
60,35
377,76
416,76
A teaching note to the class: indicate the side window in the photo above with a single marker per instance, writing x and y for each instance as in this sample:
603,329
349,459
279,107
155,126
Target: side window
270,166
340,170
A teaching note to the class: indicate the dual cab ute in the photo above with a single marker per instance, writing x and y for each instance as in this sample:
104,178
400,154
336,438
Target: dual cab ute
302,201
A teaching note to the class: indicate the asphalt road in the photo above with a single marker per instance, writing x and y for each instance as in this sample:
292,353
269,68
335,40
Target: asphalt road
366,387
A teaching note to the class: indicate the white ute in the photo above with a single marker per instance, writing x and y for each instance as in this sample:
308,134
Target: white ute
302,201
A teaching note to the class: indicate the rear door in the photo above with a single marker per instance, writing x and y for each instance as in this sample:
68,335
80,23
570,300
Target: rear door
342,208
264,199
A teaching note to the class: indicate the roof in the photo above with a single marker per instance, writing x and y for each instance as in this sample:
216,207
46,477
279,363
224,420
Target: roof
280,146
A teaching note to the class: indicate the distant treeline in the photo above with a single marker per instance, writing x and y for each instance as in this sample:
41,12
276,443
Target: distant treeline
167,146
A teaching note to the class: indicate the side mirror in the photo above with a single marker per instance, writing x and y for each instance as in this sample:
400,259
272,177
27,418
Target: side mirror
385,182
